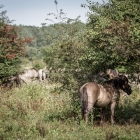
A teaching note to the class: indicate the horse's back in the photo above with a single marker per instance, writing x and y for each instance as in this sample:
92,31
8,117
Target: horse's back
28,75
91,90
32,73
97,94
91,87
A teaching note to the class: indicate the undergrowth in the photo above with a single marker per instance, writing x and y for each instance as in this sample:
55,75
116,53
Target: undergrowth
37,112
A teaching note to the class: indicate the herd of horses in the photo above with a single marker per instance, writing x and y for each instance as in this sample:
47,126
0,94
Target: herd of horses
92,94
27,76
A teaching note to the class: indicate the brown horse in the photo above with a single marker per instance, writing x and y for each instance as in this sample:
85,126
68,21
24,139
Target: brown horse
100,96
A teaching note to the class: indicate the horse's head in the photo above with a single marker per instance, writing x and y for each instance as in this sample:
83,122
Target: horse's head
124,84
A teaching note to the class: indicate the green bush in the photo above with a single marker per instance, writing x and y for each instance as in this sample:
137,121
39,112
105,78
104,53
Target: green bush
11,48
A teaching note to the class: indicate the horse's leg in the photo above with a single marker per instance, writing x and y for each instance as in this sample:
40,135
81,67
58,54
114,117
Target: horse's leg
25,80
87,102
87,111
113,104
102,116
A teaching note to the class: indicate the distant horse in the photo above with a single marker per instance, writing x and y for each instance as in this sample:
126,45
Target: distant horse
28,75
14,80
41,74
112,73
100,96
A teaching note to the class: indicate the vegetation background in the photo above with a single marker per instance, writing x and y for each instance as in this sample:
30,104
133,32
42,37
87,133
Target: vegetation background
73,52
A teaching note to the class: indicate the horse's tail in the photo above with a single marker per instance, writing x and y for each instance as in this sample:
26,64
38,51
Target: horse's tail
84,100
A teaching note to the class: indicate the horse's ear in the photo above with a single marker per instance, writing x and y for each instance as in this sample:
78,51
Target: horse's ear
124,78
123,75
126,75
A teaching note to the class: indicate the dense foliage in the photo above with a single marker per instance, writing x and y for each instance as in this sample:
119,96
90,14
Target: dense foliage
111,40
43,37
11,48
114,35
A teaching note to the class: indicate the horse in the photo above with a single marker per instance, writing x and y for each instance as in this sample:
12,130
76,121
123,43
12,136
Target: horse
112,73
14,80
42,75
100,96
28,75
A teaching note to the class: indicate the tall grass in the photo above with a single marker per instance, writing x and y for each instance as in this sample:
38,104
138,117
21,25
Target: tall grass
38,111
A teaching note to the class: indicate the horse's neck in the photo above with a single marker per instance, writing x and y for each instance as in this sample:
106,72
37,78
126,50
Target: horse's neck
109,89
114,92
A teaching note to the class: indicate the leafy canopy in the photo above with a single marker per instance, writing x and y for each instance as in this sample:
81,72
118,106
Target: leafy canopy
114,35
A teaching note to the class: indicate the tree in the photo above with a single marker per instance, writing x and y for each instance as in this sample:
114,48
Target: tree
113,35
11,48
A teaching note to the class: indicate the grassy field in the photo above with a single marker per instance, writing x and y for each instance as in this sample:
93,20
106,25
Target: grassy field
39,112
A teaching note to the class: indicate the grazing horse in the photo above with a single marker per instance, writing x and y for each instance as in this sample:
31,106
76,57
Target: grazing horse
28,75
100,96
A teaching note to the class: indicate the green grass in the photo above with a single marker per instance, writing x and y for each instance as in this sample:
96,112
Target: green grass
38,112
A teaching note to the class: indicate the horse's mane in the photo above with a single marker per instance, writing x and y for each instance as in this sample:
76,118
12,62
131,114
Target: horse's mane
115,81
112,84
109,88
